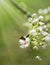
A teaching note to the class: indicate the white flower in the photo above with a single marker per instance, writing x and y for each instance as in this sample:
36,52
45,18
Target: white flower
29,19
38,58
44,33
34,15
45,28
33,32
35,20
49,9
41,23
40,11
47,38
24,43
35,48
45,11
21,41
40,28
41,18
43,45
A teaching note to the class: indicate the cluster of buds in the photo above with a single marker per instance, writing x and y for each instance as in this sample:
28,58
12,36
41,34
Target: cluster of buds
38,35
44,11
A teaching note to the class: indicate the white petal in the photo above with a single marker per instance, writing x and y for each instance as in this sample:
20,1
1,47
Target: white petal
21,41
26,45
22,46
28,40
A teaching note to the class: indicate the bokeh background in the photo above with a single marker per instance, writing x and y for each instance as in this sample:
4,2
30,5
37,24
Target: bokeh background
11,28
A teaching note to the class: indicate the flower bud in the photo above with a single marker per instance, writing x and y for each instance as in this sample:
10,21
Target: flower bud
49,9
47,38
40,11
45,11
34,15
35,48
38,58
33,32
41,18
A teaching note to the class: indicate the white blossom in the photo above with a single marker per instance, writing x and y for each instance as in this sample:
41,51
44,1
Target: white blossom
41,18
24,43
21,41
38,58
45,11
40,28
40,11
44,27
34,15
35,20
35,47
43,30
28,40
43,45
29,19
41,23
49,9
47,38
33,32
44,33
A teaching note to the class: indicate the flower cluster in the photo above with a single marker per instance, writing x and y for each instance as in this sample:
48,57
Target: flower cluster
38,35
38,32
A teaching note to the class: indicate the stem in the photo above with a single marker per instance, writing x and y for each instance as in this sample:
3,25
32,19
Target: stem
22,10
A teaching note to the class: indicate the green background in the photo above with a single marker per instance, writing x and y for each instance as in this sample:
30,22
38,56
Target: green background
11,28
